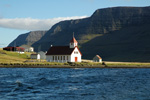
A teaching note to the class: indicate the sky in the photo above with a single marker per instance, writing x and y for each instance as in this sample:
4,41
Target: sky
22,16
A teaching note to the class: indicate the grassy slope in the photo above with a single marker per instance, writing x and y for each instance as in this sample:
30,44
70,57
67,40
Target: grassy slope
12,57
129,44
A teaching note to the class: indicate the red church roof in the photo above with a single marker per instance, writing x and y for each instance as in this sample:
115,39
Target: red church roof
73,40
98,56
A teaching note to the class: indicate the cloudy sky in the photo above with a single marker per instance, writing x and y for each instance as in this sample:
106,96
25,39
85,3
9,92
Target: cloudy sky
21,16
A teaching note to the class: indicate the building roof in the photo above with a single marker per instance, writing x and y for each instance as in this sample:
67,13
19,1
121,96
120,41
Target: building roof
26,46
61,50
13,48
35,54
98,56
73,40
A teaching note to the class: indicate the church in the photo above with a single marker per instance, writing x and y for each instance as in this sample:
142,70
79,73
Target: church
63,54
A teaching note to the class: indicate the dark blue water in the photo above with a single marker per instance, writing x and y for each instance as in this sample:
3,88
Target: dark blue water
74,84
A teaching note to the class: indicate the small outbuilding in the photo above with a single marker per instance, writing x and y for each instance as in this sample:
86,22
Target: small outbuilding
42,55
35,56
15,49
97,58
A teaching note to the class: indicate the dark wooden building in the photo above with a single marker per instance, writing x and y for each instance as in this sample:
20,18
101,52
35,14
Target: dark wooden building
19,49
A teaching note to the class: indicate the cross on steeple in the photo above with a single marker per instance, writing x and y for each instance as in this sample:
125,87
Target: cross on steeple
73,34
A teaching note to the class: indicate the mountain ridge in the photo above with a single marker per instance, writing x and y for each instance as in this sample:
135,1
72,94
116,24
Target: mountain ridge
28,38
104,26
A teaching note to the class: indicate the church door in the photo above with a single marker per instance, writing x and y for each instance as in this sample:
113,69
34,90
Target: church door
76,59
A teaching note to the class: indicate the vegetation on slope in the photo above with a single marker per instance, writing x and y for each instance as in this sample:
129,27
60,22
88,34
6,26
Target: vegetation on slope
28,38
8,58
130,44
13,57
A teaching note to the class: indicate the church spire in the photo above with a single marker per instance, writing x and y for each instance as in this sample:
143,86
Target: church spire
73,42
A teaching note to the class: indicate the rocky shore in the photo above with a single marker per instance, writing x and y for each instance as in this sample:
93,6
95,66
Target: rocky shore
76,65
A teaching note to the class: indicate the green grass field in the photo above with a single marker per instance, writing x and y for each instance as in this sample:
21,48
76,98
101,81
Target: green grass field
13,57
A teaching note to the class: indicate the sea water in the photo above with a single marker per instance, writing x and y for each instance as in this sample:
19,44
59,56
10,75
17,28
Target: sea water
74,84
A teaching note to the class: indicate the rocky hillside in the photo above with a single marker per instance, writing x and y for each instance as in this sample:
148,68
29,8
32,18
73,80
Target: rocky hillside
28,38
116,34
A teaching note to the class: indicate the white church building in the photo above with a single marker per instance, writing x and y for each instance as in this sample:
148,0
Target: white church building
63,54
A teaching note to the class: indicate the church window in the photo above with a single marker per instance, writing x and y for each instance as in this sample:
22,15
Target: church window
55,57
76,52
63,57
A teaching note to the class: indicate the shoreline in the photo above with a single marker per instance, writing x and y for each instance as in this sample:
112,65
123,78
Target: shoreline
70,66
84,64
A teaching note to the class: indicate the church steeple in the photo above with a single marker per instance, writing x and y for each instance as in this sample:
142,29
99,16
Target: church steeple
73,42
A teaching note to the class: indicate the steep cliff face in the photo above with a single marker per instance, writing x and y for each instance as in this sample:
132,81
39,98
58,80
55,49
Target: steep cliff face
127,44
106,27
28,38
61,33
111,19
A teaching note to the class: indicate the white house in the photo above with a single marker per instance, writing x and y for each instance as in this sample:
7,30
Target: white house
35,56
97,58
27,48
42,55
69,53
31,49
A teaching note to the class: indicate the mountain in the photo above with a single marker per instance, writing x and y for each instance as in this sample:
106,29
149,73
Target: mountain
28,38
116,34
